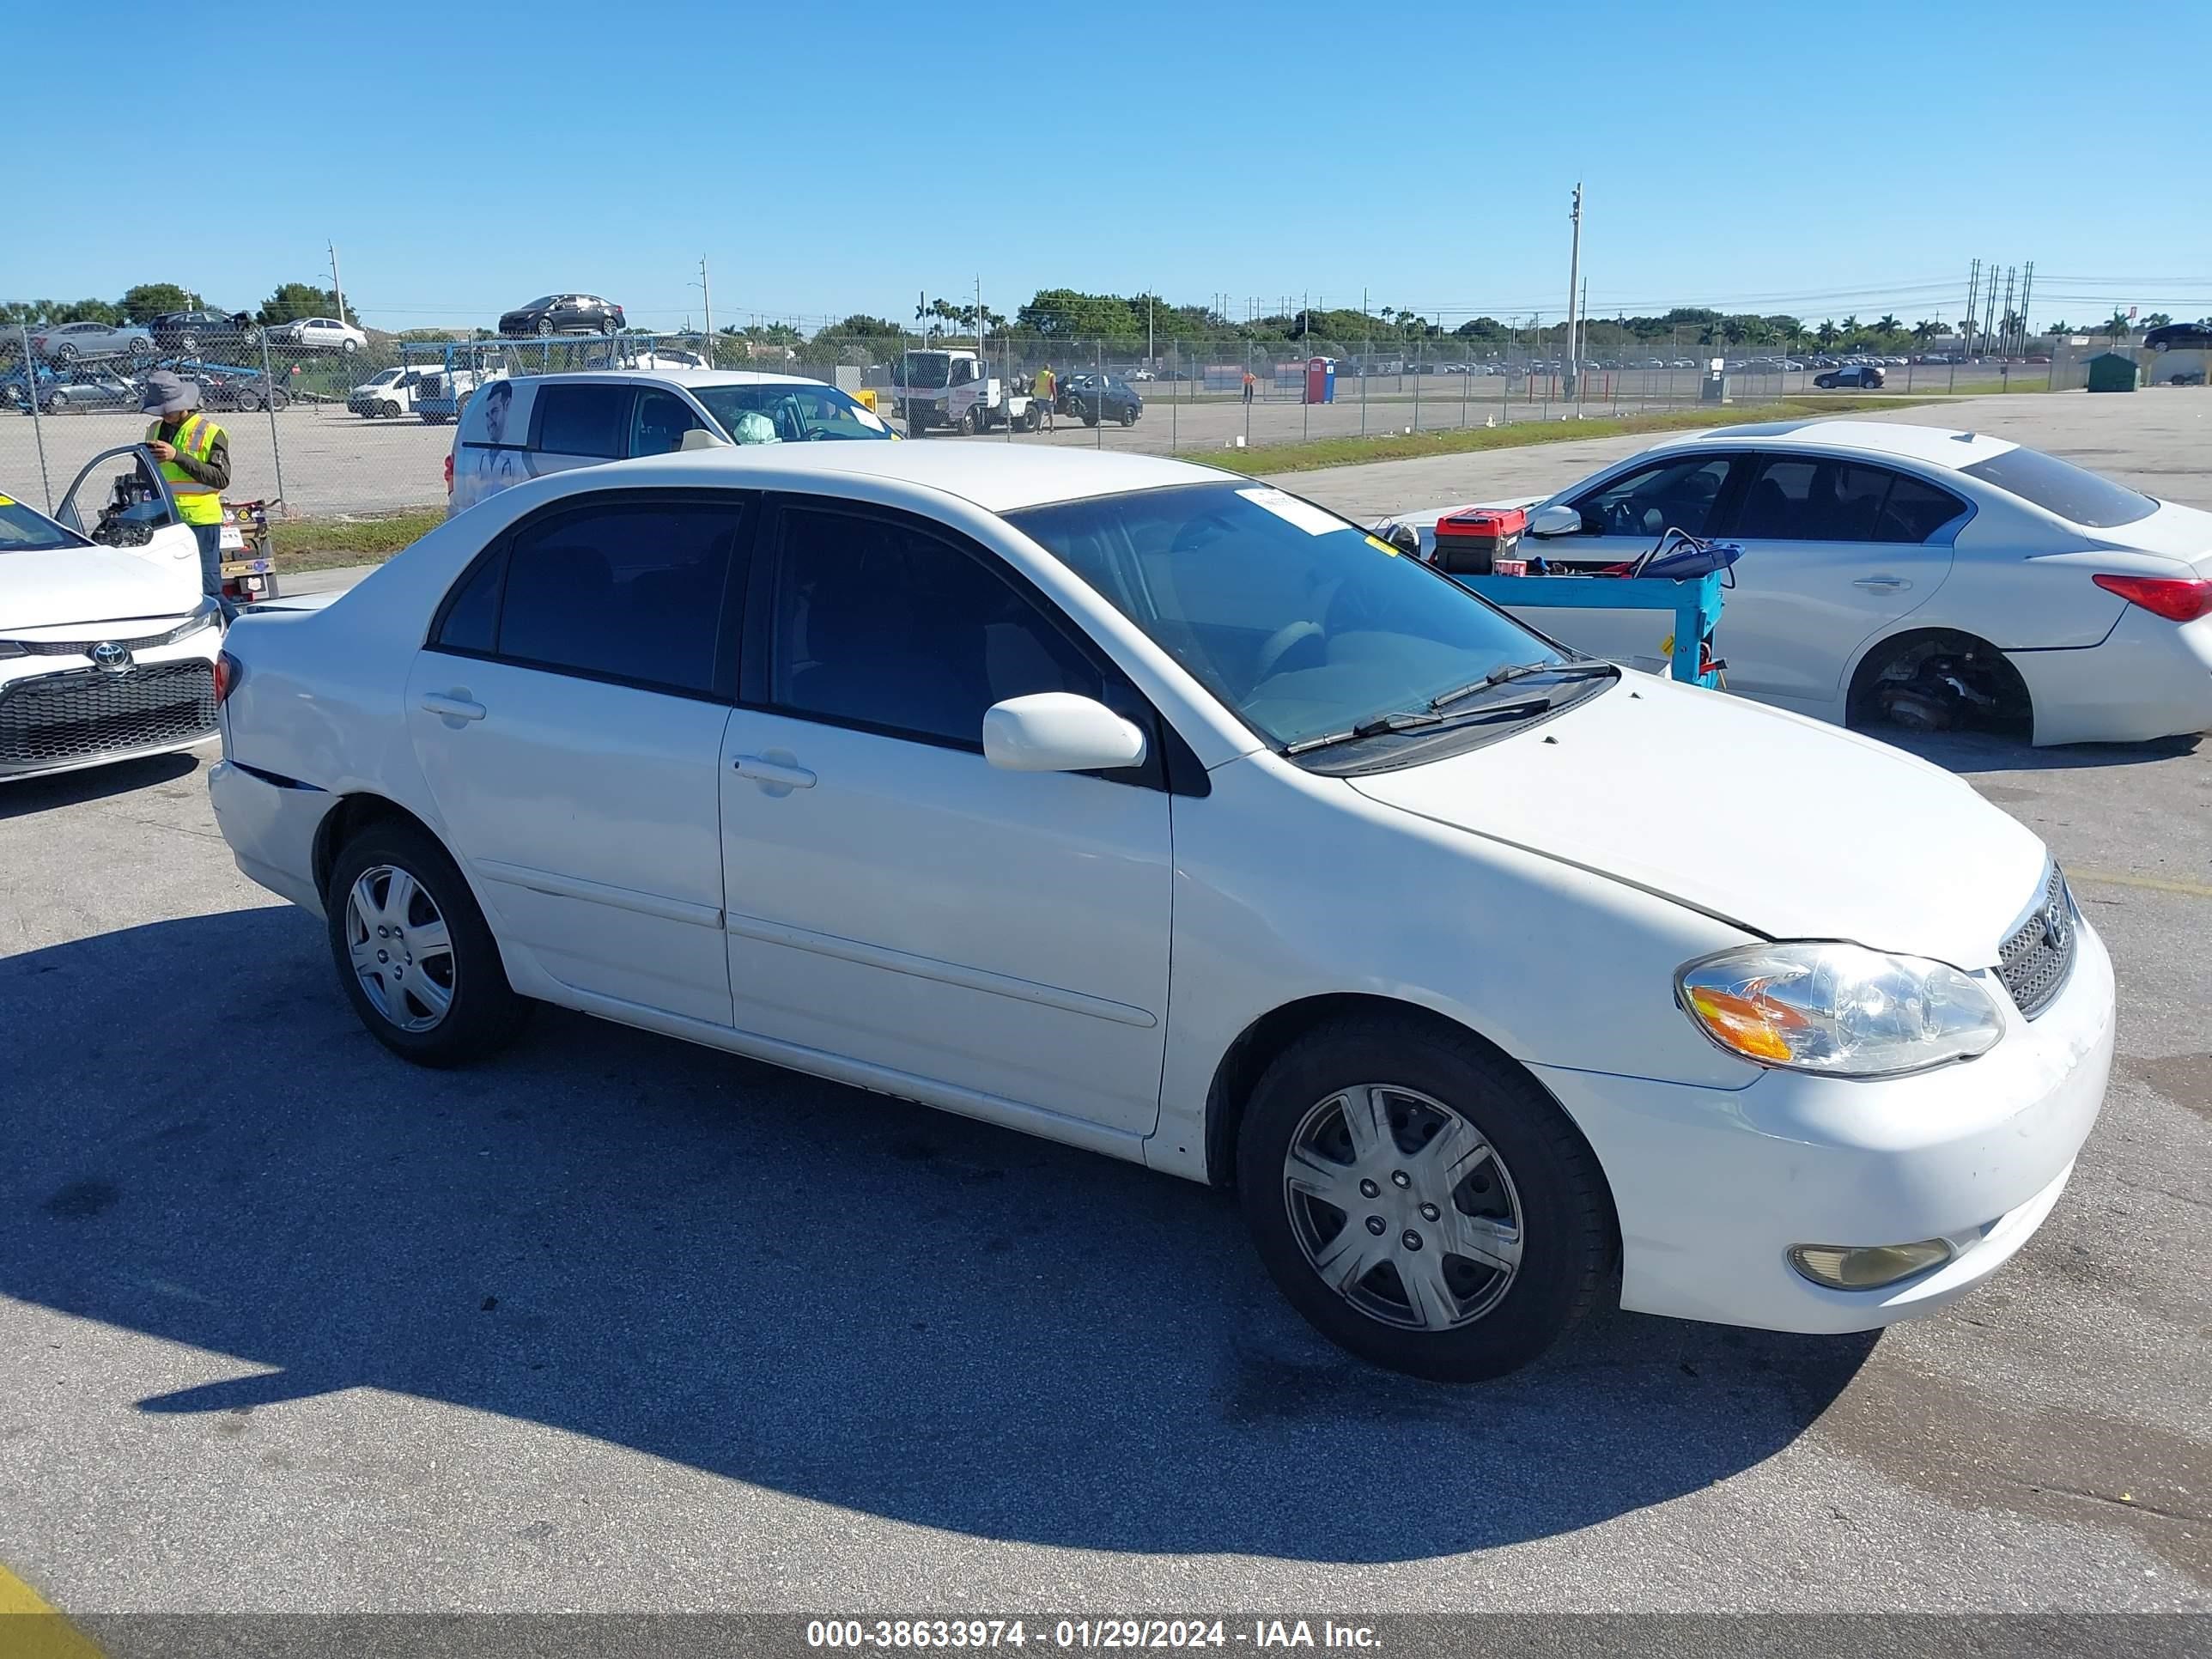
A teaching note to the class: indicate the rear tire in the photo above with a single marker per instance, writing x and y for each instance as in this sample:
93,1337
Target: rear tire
64,353
390,411
1129,417
1520,1183
432,989
967,427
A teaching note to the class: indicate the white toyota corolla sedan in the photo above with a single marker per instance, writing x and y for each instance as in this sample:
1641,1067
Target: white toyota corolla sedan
107,648
1912,575
1149,809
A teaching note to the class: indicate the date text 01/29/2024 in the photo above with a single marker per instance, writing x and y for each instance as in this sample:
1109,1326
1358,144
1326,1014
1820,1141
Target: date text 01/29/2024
1119,1633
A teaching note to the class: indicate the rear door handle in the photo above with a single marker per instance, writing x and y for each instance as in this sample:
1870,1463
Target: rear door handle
774,774
452,709
1882,584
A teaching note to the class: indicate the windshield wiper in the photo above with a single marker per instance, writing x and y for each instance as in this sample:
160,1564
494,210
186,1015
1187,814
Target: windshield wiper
1407,720
1520,670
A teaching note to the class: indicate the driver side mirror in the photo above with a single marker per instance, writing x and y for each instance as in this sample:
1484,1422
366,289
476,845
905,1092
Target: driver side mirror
699,438
1556,519
1059,731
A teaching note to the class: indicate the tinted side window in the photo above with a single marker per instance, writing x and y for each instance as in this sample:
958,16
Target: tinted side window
662,420
1806,499
1915,510
882,624
1679,493
471,619
634,593
581,420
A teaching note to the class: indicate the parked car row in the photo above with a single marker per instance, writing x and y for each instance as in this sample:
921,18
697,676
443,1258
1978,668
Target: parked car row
101,386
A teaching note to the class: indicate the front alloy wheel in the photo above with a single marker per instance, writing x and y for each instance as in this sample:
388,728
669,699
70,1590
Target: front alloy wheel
1402,1207
1420,1198
401,949
413,952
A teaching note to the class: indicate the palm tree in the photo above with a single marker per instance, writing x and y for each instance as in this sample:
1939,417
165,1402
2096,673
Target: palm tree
1888,324
1925,330
1825,334
1849,325
2116,326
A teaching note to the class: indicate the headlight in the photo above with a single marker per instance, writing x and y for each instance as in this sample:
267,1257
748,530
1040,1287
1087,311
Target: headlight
205,615
1838,1010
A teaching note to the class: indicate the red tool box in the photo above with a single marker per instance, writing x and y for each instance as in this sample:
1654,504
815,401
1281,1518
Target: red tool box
1468,541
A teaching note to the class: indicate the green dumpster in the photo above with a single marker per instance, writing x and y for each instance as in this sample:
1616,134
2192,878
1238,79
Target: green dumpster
2109,371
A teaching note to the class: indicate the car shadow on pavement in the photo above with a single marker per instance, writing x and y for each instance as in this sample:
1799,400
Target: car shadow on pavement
1985,751
20,799
806,1287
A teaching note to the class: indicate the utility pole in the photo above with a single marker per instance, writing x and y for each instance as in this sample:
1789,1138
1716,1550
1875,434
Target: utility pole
1148,330
2011,274
2026,289
1990,305
706,308
1574,288
1973,301
1578,348
336,287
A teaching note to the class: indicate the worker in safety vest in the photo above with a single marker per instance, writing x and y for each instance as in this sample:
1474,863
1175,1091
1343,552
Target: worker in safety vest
1046,390
194,453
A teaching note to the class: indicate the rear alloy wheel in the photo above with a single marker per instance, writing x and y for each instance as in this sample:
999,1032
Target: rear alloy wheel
1419,1200
413,952
56,403
64,353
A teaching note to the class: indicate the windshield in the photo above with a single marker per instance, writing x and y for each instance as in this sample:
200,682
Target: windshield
2074,493
387,377
22,531
538,303
796,414
926,368
1302,625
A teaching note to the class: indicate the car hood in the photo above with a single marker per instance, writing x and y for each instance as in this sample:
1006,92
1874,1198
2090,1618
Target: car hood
1776,823
74,585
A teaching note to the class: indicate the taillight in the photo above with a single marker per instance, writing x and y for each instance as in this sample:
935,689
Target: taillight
449,472
228,670
2177,599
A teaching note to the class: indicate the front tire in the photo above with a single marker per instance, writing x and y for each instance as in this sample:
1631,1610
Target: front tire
1419,1200
413,952
389,411
967,425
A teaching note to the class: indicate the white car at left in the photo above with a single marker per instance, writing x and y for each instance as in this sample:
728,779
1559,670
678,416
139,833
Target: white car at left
320,334
108,645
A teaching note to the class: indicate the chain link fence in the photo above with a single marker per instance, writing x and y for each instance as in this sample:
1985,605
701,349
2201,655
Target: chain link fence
340,424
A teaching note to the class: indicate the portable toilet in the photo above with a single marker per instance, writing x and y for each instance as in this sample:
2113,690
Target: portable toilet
1321,379
2110,371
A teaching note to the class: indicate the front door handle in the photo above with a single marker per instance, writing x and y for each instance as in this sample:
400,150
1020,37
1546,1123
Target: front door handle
1883,584
774,775
451,707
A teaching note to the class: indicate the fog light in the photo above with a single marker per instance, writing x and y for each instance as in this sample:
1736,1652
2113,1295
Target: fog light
1867,1266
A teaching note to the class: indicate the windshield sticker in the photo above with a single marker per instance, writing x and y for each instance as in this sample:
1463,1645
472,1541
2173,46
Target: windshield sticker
1381,546
1291,510
865,416
7,501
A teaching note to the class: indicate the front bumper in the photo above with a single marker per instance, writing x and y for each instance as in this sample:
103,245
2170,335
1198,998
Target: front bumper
61,713
1712,1187
2148,678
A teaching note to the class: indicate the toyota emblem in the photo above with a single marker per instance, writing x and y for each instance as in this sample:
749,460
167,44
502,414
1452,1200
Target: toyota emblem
2055,925
110,656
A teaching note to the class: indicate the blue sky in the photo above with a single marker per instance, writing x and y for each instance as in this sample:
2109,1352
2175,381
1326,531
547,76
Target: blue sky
1822,159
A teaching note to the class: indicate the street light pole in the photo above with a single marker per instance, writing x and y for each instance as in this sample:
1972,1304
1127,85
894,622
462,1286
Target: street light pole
1574,289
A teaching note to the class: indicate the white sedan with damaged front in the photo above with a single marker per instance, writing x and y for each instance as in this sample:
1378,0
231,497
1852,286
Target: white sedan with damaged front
917,766
107,645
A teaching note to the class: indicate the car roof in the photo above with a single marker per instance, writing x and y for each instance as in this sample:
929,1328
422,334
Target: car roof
1931,445
997,477
694,377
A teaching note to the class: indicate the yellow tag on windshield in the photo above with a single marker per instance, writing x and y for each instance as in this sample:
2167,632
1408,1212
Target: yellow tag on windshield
7,501
1381,546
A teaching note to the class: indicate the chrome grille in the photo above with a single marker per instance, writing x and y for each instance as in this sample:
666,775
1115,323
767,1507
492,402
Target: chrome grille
2035,962
83,648
57,718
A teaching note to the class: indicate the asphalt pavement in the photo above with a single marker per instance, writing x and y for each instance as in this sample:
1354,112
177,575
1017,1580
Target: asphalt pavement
618,1323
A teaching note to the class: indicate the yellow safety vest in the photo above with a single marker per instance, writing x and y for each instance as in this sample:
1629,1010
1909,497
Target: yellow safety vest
1046,381
196,502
